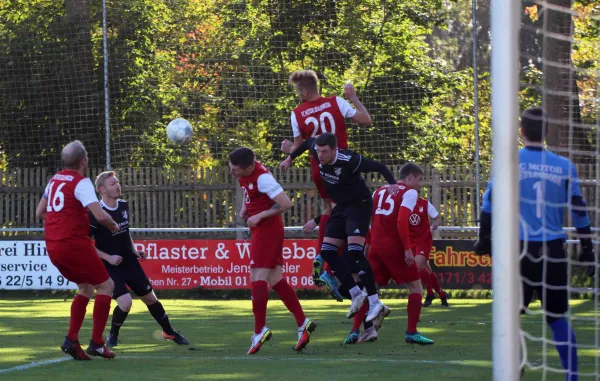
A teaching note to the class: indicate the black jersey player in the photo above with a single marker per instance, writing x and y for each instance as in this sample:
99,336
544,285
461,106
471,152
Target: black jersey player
122,261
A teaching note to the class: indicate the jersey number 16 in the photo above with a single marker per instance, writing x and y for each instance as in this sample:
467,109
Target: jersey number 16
57,201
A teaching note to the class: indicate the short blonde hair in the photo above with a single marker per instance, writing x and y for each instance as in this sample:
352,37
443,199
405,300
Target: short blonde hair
305,79
102,178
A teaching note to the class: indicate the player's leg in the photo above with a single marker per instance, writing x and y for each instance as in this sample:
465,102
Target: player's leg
556,304
329,279
319,262
95,273
139,283
334,237
289,298
122,308
69,265
413,309
260,299
357,227
71,344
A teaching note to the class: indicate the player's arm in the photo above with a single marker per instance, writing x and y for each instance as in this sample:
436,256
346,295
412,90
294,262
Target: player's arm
42,209
286,145
484,241
114,260
269,186
361,115
86,194
303,147
365,165
581,220
409,200
102,217
434,215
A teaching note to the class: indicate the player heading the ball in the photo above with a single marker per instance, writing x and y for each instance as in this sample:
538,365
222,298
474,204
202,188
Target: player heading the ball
65,204
316,115
264,202
341,173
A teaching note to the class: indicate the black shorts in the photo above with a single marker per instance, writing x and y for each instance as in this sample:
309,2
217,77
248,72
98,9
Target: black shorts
350,220
551,288
129,274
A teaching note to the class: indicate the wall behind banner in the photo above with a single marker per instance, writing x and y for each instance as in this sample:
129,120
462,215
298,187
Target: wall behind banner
224,264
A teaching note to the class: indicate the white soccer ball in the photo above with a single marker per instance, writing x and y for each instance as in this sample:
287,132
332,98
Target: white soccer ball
179,131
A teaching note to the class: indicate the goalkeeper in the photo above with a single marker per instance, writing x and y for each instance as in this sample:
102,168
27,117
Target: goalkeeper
547,183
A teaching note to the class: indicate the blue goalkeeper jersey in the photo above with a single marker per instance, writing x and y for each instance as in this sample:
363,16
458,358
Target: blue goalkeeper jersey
548,183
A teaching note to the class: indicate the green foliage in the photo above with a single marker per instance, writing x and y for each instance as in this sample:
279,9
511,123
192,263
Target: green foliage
223,65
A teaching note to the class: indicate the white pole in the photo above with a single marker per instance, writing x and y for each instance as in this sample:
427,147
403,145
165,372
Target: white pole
505,196
476,109
106,94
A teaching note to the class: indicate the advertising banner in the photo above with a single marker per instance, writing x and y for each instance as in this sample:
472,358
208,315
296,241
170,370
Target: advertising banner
224,264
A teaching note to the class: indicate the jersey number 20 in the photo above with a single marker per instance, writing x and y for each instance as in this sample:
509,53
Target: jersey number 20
57,201
321,122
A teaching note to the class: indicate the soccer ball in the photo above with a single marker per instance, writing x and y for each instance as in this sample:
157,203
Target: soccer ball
179,131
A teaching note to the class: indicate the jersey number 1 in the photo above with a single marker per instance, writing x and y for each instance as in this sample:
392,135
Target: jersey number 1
57,201
539,198
326,115
389,201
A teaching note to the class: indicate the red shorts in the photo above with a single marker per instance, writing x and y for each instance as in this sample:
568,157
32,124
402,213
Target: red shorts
389,264
422,248
77,261
266,244
316,178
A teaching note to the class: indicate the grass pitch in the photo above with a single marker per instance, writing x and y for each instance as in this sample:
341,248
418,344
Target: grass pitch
31,332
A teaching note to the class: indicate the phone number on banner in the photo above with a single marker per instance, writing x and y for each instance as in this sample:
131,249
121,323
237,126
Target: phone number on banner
34,282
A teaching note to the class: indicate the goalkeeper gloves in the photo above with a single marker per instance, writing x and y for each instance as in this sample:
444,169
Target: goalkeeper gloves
588,255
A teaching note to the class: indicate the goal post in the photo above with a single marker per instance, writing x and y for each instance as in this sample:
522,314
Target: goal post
505,203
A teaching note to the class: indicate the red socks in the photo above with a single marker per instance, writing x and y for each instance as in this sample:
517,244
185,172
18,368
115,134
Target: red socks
260,298
101,312
78,308
436,285
289,298
413,310
360,316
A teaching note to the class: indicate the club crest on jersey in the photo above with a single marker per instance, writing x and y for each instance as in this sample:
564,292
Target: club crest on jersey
125,214
338,171
420,209
250,186
414,219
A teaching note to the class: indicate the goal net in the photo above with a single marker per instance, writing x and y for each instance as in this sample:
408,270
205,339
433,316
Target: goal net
559,56
224,66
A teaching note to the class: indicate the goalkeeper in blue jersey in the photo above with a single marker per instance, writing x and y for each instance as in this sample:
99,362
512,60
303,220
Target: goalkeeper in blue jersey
548,183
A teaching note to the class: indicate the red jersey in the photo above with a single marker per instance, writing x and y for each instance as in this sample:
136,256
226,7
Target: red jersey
68,194
384,227
420,231
259,188
326,114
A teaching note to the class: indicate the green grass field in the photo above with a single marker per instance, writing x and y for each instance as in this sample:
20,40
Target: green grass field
32,330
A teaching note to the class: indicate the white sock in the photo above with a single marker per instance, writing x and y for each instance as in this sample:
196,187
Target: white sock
355,291
373,299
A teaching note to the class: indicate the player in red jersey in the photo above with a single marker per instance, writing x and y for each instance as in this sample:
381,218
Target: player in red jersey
264,202
390,251
315,115
422,240
65,204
